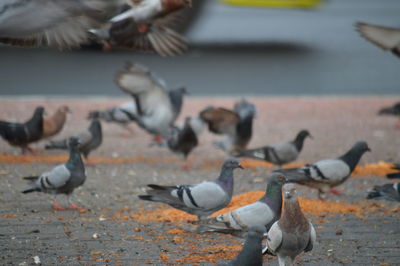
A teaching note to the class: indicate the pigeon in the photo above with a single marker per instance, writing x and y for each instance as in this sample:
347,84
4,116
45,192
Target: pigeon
52,125
62,24
386,191
385,37
184,140
236,125
145,26
22,134
392,110
328,173
157,108
89,140
121,115
251,254
394,175
280,153
263,212
200,199
62,179
292,234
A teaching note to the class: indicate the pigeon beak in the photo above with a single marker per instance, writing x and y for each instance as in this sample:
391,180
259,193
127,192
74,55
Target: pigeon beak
368,149
241,167
310,136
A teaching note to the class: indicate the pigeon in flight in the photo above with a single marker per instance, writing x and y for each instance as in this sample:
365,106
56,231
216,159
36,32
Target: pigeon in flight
121,115
328,173
280,153
89,140
52,125
157,108
200,199
251,254
236,125
183,140
263,212
386,38
292,234
62,179
22,134
146,26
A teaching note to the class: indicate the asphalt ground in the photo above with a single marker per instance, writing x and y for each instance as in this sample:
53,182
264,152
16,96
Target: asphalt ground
109,232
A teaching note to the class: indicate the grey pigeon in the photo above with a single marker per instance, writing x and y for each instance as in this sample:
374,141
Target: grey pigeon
157,108
386,191
386,38
146,30
280,153
264,212
251,254
56,23
62,179
183,140
328,173
292,234
200,199
236,125
89,139
22,134
121,115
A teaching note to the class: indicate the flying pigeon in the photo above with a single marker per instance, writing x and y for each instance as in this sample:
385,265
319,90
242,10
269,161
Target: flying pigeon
292,234
22,134
392,110
157,108
52,125
387,191
251,254
184,140
146,26
280,153
56,23
394,175
236,125
385,37
62,179
89,140
200,199
121,115
263,212
328,173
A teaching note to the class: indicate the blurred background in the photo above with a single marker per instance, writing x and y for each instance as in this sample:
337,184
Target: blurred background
235,50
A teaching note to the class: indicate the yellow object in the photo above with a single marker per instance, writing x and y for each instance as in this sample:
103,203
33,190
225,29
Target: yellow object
275,3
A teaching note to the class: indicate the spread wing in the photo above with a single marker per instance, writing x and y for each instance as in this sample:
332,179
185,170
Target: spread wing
220,120
385,37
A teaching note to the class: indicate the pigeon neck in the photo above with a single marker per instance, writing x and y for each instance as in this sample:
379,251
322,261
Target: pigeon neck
273,197
225,179
298,141
293,218
251,252
245,127
95,128
75,159
352,157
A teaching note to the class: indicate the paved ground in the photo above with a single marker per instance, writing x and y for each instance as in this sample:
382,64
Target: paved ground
108,233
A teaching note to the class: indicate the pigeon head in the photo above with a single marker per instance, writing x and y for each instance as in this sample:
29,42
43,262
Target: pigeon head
279,178
304,134
245,109
231,163
73,142
290,194
361,146
39,111
93,115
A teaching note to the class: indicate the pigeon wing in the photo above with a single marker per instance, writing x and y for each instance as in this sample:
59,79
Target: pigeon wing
313,238
385,37
221,120
274,238
56,178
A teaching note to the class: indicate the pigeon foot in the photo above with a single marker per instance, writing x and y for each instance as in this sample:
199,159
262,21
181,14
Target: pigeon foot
335,191
57,207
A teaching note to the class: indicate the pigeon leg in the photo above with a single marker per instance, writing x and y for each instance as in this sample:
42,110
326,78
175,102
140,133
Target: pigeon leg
335,191
90,163
143,28
31,150
56,206
128,134
73,206
186,166
107,46
158,139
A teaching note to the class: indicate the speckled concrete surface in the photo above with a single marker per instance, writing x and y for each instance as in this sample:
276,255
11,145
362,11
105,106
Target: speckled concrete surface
28,226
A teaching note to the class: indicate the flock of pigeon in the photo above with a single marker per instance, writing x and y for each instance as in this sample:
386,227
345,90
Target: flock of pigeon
147,25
